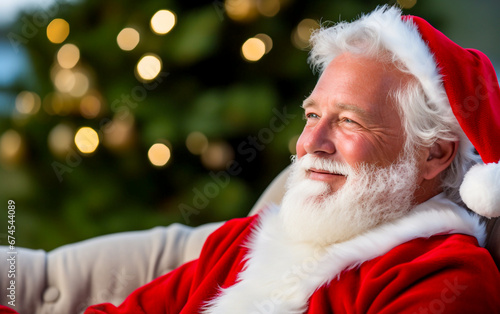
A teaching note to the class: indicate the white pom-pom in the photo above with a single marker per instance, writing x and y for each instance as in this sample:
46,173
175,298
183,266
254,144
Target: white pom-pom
480,189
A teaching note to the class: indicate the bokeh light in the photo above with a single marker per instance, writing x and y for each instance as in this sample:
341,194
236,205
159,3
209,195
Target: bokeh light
240,10
11,147
60,140
64,80
253,49
217,155
80,86
196,143
407,4
118,133
148,67
68,56
57,31
28,103
268,8
302,33
128,39
267,40
163,21
86,140
159,154
90,106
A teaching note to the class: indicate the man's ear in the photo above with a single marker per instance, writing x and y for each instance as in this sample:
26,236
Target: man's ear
439,157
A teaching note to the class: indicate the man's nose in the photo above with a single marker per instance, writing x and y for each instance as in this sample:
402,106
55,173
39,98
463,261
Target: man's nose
320,139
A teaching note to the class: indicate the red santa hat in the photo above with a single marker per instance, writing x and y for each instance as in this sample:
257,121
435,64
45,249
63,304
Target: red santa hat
473,92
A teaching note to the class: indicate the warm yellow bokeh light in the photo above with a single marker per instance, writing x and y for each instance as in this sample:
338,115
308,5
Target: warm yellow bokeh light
86,140
217,155
267,40
81,85
57,31
28,103
302,33
240,10
64,80
253,49
196,143
128,39
118,133
159,154
149,67
90,106
11,146
60,139
269,8
407,4
68,56
162,22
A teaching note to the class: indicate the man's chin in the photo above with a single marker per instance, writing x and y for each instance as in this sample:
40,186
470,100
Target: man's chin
315,212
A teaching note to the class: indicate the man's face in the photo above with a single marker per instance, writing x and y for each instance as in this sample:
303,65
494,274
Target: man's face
350,117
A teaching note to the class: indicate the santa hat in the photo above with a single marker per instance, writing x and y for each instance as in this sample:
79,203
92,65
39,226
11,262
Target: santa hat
470,85
473,92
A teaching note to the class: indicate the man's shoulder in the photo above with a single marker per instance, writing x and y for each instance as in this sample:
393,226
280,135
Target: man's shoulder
424,257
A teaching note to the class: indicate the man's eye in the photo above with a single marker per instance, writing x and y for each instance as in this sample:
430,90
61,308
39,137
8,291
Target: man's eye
311,116
347,120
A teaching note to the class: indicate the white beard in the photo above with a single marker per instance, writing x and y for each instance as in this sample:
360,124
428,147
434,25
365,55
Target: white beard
311,213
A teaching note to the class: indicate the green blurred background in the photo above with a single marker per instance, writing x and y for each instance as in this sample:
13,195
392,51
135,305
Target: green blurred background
219,127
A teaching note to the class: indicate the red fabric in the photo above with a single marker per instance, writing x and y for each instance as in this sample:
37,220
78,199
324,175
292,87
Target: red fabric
442,274
6,310
472,88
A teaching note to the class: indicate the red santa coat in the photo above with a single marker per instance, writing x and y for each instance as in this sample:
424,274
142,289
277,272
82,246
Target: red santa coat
428,262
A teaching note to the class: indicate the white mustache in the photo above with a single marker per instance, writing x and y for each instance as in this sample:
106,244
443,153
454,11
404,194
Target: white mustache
308,162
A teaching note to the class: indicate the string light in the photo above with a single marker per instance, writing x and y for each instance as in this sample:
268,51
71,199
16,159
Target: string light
163,21
253,49
86,140
159,154
148,67
68,56
128,39
57,31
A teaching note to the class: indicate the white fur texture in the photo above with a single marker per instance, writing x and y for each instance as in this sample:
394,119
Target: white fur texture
480,189
280,275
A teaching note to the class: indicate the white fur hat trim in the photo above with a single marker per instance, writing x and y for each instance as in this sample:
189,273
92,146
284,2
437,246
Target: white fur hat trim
480,189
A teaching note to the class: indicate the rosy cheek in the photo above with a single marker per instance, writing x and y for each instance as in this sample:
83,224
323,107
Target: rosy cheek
355,149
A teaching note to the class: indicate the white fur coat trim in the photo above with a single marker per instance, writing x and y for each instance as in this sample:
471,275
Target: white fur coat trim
280,276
